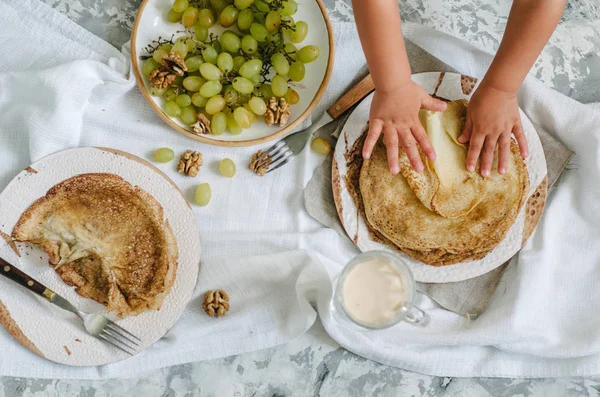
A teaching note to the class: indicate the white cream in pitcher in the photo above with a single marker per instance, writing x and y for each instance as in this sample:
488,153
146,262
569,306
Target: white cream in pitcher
373,292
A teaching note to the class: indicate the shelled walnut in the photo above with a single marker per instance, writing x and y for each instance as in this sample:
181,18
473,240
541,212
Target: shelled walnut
216,303
190,163
278,112
161,78
173,63
260,164
202,126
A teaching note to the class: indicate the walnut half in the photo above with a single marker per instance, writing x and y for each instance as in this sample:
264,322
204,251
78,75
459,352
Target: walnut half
202,126
216,303
277,112
174,63
260,164
190,163
161,78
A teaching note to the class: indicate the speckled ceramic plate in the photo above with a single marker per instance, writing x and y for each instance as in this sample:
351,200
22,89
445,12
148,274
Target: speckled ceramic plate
450,86
52,332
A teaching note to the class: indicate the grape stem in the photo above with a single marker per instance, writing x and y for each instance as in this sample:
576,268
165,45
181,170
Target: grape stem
150,48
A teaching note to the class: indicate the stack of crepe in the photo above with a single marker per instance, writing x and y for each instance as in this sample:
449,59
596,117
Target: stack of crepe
445,214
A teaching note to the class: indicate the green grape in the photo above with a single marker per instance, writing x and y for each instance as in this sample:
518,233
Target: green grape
242,4
228,16
190,16
218,5
210,72
251,68
300,33
165,47
262,6
198,100
232,125
242,85
290,50
259,17
201,32
244,98
245,19
266,91
256,80
242,117
172,109
170,94
188,115
292,97
193,83
163,155
215,104
308,54
288,21
203,194
249,44
210,88
297,71
259,32
193,63
218,47
218,124
272,21
225,62
238,62
289,8
180,48
206,17
158,55
253,117
321,146
174,16
183,100
227,168
230,95
280,63
257,105
180,5
287,35
230,41
279,85
210,55
191,44
157,91
149,65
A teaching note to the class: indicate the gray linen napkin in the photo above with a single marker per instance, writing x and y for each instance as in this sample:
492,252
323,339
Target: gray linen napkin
470,297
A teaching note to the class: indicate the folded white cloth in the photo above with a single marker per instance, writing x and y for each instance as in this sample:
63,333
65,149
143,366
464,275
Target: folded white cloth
62,87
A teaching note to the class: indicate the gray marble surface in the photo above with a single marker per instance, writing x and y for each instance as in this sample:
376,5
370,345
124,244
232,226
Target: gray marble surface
314,365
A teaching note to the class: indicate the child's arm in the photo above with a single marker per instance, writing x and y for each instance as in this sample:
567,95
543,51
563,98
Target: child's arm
397,100
493,113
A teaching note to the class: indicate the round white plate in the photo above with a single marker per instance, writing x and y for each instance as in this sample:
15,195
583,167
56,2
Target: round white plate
56,334
448,86
151,22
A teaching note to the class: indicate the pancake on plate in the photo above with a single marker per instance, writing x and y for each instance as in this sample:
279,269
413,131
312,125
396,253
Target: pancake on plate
107,238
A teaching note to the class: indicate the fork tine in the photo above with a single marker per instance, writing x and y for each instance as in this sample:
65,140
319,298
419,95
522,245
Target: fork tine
282,160
272,156
104,338
282,163
122,330
117,339
286,153
266,153
117,335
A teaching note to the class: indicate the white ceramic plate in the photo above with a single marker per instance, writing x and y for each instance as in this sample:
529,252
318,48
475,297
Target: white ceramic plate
151,23
58,335
444,85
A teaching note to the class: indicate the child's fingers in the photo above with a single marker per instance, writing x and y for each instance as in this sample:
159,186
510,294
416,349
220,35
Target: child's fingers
503,153
430,103
390,138
475,146
521,139
467,131
375,129
418,132
487,156
410,148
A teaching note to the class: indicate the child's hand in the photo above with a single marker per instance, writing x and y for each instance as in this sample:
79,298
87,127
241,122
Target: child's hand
492,116
395,113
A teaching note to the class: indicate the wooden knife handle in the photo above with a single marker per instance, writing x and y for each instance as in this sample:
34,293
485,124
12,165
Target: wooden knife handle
350,98
16,275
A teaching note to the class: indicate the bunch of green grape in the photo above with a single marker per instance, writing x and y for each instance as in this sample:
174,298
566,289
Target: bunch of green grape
231,77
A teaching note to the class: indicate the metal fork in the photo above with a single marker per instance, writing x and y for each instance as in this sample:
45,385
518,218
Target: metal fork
95,324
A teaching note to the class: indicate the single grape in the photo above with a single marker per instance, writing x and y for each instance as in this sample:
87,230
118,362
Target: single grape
218,124
198,100
172,109
289,8
163,155
232,125
249,44
188,115
242,85
210,72
259,32
210,55
272,21
174,16
218,47
308,54
183,100
170,94
201,32
157,91
292,97
266,91
225,62
203,194
230,41
251,68
215,104
191,44
149,65
180,48
257,105
242,4
165,47
180,5
300,33
280,63
158,55
238,62
259,17
253,117
230,95
193,83
262,6
256,80
242,117
290,50
321,146
227,168
210,88
190,16
193,63
206,17
287,35
245,19
297,71
244,98
279,85
228,16
218,5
